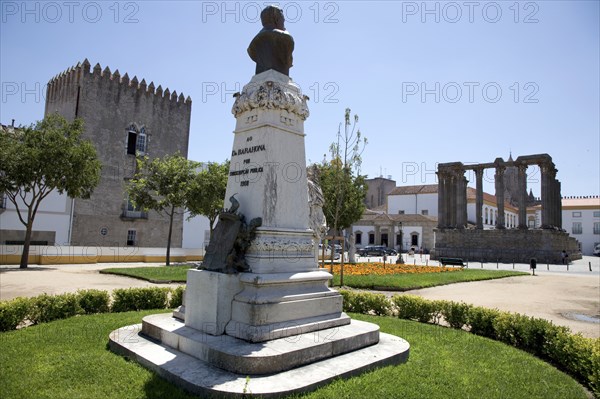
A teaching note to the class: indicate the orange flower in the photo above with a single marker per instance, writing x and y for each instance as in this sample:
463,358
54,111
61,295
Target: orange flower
378,268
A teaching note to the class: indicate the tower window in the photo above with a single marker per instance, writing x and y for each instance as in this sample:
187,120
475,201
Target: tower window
137,141
141,141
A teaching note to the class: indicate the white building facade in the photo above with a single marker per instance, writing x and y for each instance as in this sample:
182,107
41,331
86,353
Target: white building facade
423,200
581,219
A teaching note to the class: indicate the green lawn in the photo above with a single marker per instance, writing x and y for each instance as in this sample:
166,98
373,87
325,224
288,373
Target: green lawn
156,274
396,282
404,282
69,359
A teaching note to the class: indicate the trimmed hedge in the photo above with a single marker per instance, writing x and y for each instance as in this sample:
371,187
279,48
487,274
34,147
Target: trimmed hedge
44,308
176,299
127,299
366,302
94,301
572,353
14,312
54,307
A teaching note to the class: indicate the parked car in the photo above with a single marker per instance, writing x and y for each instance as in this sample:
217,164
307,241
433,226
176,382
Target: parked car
376,250
597,250
337,248
336,255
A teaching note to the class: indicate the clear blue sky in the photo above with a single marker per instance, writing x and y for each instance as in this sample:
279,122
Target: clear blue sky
509,76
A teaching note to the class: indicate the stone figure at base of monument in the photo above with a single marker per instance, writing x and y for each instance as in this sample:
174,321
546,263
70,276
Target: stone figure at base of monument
230,240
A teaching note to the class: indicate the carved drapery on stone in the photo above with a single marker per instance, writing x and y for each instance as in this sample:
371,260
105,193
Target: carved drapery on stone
270,95
316,200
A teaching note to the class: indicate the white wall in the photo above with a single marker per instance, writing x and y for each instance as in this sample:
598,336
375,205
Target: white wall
413,204
364,229
54,214
195,231
587,238
407,231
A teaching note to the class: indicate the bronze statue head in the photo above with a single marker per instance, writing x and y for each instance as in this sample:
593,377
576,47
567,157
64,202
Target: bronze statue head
272,18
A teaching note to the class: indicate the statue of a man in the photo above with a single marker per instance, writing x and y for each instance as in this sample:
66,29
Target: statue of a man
272,47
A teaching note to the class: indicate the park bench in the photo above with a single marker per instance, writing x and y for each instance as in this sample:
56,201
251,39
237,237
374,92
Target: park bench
452,262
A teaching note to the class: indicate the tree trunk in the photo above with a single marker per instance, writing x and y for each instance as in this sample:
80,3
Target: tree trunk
352,249
169,238
26,244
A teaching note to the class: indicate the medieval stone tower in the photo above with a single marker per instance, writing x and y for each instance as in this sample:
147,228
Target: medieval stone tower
123,118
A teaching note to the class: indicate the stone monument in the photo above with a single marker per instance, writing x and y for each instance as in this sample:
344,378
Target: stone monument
266,311
456,239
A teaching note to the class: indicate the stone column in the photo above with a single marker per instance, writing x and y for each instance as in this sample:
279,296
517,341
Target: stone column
461,198
499,180
441,199
522,195
553,192
479,198
451,208
545,189
558,205
556,209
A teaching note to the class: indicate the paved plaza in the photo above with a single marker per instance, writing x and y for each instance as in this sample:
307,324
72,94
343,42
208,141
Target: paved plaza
570,298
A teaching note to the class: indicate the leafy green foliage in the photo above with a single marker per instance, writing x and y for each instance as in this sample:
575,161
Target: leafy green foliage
344,195
54,307
163,185
126,299
411,307
93,301
176,299
14,312
40,159
481,321
366,302
456,314
207,192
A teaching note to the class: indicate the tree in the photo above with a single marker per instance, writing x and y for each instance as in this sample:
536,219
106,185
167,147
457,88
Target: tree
207,193
343,186
344,196
163,185
36,160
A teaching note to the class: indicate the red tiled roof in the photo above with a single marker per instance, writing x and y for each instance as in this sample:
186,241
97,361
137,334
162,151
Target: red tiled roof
420,189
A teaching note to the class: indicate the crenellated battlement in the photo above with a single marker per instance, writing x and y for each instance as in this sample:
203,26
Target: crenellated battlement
66,80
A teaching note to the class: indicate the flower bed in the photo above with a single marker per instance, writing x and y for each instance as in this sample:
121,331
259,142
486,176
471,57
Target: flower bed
380,269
